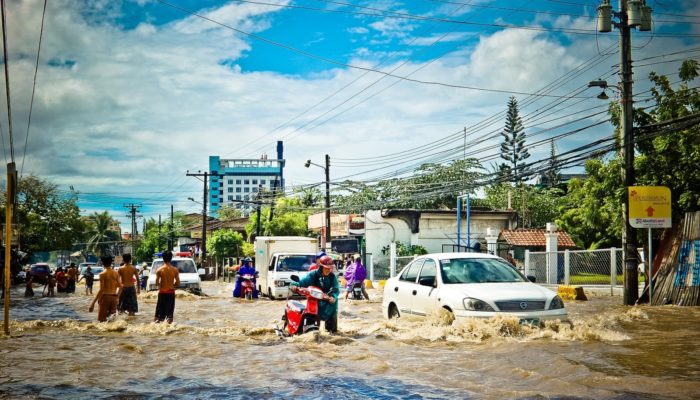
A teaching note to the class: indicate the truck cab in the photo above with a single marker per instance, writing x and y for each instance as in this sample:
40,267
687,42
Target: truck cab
277,258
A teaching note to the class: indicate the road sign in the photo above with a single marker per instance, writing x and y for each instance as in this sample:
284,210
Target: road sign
649,206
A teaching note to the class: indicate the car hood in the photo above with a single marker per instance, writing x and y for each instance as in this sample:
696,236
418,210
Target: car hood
189,277
501,291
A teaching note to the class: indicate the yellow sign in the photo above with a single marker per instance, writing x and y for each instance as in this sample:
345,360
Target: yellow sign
649,206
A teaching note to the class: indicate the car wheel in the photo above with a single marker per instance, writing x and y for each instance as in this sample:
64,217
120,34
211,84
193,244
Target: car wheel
393,311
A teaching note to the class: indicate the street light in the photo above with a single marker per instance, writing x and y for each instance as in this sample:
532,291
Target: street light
307,164
603,85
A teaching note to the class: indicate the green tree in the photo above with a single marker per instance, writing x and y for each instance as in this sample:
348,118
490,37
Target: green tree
553,172
101,237
289,219
513,149
152,241
535,207
46,218
227,213
225,243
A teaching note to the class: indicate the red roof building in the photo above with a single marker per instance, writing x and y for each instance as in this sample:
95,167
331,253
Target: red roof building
534,239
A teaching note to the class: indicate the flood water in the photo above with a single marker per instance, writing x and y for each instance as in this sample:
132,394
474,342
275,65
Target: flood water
219,347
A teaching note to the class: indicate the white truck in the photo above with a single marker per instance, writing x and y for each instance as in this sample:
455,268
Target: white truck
277,258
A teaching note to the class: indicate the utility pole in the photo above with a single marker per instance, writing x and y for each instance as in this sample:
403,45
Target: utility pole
133,208
328,201
631,14
159,225
10,198
171,234
203,248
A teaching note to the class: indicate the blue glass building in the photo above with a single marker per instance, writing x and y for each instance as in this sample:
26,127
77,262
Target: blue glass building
237,182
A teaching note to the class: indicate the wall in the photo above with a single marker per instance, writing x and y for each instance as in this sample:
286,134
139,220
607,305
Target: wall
435,229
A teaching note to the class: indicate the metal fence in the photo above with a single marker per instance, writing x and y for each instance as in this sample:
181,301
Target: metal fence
576,267
379,267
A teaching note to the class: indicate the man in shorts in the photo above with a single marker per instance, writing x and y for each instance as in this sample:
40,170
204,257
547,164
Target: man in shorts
167,279
89,277
108,295
129,275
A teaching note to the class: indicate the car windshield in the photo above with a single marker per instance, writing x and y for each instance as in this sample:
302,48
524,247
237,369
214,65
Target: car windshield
478,270
297,262
184,266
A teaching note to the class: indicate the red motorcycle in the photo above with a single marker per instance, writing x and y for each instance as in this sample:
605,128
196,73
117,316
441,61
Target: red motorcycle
247,286
298,317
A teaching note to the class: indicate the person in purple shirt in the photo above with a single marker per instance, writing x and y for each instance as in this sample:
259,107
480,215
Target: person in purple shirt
355,272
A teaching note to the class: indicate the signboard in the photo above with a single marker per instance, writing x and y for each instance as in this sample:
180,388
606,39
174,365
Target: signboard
15,235
356,224
196,234
345,246
649,206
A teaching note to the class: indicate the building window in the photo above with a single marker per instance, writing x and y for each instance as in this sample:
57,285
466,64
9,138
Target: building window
230,181
255,189
230,190
230,198
238,190
255,181
246,190
246,182
262,181
238,181
238,197
246,197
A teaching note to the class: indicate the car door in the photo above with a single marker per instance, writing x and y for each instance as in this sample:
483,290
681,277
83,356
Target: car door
424,295
406,285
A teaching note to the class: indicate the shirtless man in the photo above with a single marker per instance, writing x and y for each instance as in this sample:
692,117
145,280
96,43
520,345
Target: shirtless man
167,279
128,275
72,275
108,295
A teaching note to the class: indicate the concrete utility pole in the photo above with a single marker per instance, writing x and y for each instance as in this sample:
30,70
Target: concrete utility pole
171,234
631,284
133,208
159,225
10,197
328,201
631,14
203,248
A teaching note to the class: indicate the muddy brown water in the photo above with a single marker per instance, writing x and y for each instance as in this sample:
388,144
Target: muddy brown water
220,347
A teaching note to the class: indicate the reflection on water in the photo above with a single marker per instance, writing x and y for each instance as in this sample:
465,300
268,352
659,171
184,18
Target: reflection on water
219,347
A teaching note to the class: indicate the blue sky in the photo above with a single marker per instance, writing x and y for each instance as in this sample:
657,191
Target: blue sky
131,94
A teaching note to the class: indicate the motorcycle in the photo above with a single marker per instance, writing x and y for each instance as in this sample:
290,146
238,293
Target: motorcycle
301,318
247,286
356,291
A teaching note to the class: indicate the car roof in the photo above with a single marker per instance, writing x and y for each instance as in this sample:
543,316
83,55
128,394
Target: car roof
40,265
174,258
459,255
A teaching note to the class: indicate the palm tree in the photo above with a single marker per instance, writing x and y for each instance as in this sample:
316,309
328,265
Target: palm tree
100,234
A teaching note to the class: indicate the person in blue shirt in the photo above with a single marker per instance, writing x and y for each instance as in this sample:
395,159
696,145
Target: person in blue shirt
324,279
243,269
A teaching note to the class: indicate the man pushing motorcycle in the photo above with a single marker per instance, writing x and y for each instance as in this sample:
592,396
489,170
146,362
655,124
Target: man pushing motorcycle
324,279
245,269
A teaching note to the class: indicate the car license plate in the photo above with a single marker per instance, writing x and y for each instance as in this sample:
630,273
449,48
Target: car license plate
530,321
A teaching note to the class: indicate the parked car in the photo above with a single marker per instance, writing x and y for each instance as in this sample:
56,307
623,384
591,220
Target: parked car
40,272
189,274
94,268
468,285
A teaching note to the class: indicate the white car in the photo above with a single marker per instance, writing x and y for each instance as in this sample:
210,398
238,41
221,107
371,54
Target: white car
468,285
189,275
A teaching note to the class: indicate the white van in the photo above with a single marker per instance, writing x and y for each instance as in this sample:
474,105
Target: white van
189,275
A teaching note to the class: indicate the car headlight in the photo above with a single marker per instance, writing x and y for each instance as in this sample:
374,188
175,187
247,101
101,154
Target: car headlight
280,283
556,303
476,305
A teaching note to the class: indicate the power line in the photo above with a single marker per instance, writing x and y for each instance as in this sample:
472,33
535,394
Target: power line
31,102
7,79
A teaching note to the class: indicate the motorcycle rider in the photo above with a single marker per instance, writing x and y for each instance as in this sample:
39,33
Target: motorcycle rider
324,279
243,269
316,264
355,272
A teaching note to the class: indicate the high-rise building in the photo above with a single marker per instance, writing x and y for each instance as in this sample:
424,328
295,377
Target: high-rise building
236,182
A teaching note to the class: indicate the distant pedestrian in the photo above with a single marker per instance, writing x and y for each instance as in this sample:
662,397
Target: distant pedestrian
29,290
89,280
61,280
167,279
129,276
107,296
51,286
72,277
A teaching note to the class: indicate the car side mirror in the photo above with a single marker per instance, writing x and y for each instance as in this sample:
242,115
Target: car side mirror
531,278
295,278
201,271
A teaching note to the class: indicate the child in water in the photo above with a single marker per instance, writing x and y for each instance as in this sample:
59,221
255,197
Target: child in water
51,285
29,290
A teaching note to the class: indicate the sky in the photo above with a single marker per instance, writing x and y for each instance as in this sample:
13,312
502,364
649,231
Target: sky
132,94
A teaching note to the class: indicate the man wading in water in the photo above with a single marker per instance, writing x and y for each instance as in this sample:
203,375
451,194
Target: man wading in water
129,276
107,296
167,279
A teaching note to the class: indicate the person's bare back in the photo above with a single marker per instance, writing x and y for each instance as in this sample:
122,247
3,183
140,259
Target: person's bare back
167,278
109,282
128,273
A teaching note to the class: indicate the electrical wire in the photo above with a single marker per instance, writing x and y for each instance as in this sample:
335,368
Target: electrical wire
31,102
7,80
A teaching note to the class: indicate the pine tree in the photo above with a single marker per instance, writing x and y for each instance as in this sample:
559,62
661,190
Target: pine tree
513,147
552,174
